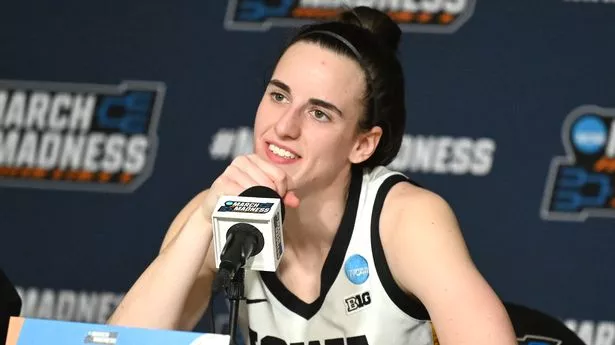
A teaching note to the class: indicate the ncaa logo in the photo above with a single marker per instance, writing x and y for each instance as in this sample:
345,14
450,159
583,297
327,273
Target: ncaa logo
580,183
356,268
589,134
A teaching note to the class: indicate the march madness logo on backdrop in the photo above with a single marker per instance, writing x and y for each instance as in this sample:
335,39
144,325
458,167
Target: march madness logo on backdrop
580,184
444,16
78,136
418,154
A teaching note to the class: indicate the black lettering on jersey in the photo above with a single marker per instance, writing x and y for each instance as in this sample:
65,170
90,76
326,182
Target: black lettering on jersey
356,302
270,340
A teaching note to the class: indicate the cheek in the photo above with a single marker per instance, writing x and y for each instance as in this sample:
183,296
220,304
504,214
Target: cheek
334,144
263,117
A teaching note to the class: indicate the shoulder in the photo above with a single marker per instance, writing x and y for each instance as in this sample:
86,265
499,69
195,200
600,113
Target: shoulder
428,258
417,209
418,228
419,232
401,200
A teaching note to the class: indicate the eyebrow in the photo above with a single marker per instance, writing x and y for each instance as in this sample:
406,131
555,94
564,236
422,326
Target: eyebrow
315,101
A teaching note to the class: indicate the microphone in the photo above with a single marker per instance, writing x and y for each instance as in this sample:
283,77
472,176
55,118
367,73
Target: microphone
247,231
247,234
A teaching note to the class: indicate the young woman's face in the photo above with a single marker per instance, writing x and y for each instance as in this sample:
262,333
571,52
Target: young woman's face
306,122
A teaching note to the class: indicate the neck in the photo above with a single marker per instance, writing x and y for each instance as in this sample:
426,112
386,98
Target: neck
311,228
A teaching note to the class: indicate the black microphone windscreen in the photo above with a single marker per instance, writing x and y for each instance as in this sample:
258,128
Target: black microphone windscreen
263,192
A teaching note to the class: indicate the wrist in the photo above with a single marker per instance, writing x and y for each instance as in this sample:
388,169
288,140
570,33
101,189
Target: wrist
198,221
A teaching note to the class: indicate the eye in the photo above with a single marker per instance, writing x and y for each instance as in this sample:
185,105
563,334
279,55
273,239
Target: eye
320,115
277,97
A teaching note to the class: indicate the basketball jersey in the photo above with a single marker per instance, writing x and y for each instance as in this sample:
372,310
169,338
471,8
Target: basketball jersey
359,302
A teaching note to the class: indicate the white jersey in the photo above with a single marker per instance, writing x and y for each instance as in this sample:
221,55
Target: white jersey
359,302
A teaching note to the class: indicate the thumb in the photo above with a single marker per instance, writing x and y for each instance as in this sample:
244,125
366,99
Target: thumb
291,200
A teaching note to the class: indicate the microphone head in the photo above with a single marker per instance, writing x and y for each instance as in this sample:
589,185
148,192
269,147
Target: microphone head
263,192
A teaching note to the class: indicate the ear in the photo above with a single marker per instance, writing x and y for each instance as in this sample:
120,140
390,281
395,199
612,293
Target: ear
365,145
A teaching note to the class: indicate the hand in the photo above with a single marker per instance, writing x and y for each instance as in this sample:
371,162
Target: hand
245,172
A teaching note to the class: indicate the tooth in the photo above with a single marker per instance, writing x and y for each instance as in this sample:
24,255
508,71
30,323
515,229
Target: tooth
281,152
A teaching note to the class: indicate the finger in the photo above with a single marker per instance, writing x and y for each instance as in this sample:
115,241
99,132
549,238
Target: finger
275,174
291,200
225,185
237,175
222,186
253,170
278,176
233,188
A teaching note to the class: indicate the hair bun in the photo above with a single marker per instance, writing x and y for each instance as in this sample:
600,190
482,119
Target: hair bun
377,22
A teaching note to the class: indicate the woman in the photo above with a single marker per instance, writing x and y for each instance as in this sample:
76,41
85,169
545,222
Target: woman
369,256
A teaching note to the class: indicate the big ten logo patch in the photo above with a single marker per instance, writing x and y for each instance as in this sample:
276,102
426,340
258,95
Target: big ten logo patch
78,136
357,302
580,184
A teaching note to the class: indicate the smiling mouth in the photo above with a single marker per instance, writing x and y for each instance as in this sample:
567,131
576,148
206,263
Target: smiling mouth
280,152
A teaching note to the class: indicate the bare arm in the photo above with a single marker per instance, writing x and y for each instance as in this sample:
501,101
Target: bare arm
428,257
174,290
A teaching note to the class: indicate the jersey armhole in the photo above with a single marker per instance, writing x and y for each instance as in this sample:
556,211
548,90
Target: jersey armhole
410,305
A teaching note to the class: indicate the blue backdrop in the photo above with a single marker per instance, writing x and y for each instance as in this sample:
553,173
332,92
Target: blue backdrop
496,91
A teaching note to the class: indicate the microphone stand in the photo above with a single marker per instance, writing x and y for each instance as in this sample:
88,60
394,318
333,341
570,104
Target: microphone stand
234,288
243,242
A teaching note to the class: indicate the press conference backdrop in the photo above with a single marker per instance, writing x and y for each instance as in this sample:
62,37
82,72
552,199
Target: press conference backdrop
114,114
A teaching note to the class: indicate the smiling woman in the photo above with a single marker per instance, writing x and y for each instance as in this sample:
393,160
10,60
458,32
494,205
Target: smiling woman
370,257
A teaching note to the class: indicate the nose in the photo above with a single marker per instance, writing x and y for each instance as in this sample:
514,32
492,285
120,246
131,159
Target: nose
288,125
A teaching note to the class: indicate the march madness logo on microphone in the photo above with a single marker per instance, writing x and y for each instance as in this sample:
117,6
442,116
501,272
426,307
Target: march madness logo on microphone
78,136
246,207
580,184
445,16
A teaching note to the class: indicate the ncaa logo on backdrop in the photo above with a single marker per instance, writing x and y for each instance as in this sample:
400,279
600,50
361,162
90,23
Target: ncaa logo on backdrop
580,184
443,16
86,137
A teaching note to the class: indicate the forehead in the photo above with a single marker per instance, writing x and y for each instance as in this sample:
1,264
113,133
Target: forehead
316,71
